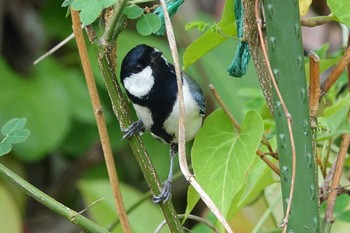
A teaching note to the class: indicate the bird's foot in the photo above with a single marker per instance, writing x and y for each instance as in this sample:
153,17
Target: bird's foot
164,195
135,128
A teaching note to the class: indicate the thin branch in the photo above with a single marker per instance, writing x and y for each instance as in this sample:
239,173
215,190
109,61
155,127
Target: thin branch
182,152
326,158
238,128
333,77
51,203
314,89
287,115
329,218
317,21
223,106
88,207
101,124
190,216
54,49
348,67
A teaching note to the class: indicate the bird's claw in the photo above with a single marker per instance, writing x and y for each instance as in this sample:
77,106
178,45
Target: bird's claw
164,195
136,127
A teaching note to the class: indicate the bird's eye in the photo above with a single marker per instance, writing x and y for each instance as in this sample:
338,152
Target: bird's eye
138,68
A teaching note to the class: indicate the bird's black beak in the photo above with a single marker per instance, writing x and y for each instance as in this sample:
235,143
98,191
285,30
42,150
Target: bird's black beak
155,56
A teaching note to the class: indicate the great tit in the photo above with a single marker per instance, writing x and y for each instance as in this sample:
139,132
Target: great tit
151,85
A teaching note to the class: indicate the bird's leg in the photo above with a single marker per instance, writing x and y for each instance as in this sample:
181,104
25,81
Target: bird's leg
135,128
165,193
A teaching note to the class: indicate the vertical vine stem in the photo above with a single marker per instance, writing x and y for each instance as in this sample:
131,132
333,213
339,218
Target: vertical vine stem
182,150
101,124
329,218
287,115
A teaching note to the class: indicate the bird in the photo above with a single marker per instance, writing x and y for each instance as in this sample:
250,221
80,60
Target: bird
151,85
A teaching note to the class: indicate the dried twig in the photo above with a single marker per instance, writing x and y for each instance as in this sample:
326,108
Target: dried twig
286,112
54,49
182,150
101,124
333,77
329,218
314,89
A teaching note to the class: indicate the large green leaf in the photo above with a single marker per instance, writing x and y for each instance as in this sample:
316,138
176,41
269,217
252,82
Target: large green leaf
210,39
143,219
340,8
43,101
222,158
90,9
148,24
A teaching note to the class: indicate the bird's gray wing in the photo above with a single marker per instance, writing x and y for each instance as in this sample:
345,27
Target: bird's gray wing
196,92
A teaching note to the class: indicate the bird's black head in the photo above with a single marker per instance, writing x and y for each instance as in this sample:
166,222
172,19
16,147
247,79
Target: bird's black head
139,58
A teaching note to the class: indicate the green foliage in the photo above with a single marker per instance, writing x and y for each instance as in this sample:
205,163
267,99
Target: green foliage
13,132
104,211
148,24
66,3
211,38
341,10
50,99
89,9
133,11
199,25
222,158
334,121
341,208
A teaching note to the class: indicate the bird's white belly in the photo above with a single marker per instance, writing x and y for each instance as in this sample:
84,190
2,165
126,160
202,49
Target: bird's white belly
193,119
144,114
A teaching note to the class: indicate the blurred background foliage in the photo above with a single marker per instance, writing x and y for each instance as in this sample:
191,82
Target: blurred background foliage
63,156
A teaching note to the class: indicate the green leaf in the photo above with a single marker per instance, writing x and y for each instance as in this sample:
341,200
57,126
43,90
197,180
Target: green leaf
43,100
133,11
148,24
90,9
66,3
18,136
210,39
13,125
340,8
5,148
192,200
104,211
199,24
221,157
335,119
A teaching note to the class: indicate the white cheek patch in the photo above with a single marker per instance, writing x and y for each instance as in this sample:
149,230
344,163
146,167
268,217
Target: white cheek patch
140,84
144,115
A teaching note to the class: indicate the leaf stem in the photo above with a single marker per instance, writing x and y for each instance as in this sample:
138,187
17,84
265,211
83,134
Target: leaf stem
317,21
